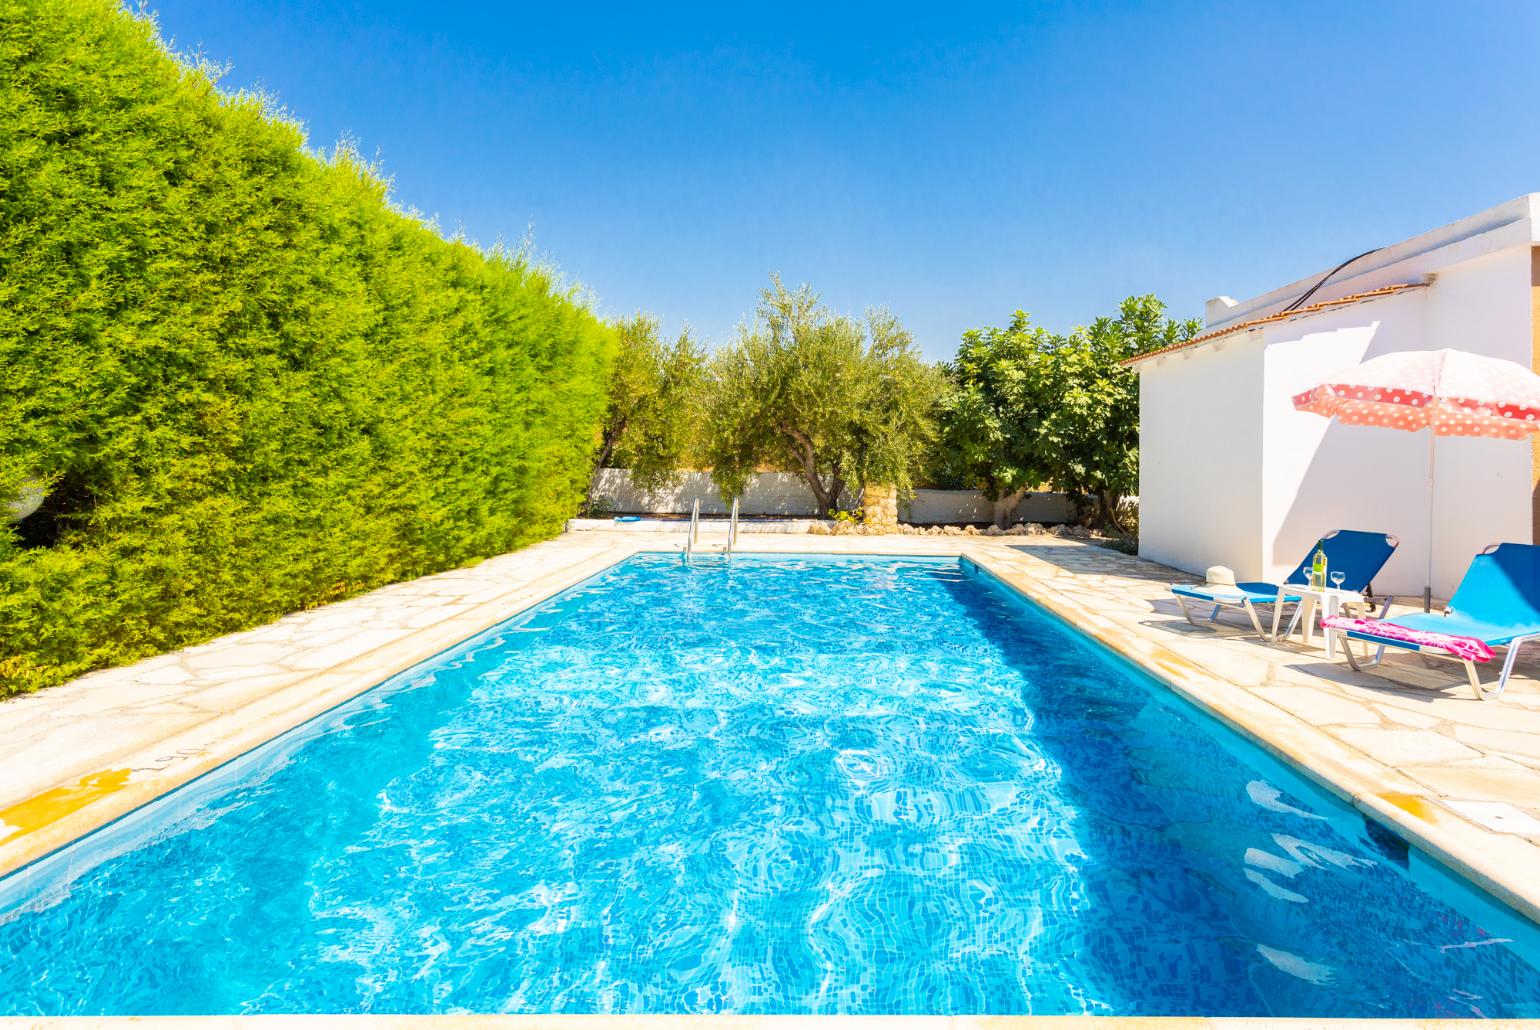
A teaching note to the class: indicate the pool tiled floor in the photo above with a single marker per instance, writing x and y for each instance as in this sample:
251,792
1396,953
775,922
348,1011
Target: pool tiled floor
739,1023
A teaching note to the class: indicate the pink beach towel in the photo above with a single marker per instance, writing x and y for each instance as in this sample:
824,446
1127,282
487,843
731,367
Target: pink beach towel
1468,648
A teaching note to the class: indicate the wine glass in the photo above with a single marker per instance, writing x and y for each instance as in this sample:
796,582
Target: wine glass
1337,579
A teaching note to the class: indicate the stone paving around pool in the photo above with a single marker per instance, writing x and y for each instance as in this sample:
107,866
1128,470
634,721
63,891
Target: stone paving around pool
1408,744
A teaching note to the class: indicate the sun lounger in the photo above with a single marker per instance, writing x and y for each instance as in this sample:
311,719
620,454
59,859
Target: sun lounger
1496,605
1356,554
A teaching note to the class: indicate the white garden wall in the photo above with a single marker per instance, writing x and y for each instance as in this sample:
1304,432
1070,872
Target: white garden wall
785,494
768,493
951,507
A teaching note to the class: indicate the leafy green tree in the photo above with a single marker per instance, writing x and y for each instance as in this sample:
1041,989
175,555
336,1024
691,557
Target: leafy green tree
842,402
655,407
990,415
1029,407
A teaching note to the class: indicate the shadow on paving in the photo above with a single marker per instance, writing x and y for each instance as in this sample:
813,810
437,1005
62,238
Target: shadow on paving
1095,560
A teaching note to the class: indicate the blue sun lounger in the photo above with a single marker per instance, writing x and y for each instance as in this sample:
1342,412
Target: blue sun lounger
1357,554
1498,603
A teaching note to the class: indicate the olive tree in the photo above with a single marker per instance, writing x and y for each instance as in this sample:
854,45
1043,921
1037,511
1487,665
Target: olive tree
841,401
655,405
1028,407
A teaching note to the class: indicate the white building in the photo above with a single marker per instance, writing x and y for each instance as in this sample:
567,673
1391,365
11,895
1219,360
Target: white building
1231,474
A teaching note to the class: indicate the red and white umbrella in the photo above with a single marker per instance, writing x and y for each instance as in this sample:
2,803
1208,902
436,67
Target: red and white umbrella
1449,392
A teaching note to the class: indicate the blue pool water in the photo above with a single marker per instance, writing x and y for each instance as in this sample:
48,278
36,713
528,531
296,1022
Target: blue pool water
827,785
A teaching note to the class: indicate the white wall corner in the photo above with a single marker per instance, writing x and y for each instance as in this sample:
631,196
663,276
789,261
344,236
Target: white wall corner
1217,310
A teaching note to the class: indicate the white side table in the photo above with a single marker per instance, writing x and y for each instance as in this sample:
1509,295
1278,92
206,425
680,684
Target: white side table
1329,601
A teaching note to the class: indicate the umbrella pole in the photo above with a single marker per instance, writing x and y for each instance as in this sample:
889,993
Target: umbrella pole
1427,590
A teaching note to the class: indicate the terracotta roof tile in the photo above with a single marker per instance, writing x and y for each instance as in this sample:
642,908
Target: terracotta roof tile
1352,298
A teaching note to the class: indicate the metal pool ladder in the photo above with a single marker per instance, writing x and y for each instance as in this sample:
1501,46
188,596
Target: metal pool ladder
732,530
689,540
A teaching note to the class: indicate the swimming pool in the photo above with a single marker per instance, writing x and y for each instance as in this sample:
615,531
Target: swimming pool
811,784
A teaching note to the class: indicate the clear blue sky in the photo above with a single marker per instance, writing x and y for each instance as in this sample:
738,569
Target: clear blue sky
948,161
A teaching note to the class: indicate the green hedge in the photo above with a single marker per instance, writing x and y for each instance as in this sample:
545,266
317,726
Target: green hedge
251,384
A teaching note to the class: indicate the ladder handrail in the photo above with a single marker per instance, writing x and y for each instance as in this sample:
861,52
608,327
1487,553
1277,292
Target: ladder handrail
689,540
732,529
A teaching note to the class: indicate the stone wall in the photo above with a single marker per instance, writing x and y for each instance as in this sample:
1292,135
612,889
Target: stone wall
879,508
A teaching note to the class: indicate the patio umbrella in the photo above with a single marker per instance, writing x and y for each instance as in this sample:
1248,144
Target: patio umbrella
1447,392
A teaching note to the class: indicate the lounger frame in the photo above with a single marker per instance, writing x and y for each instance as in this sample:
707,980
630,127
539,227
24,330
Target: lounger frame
1246,603
1483,692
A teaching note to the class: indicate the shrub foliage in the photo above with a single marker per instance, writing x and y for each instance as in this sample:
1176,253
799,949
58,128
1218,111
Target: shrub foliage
248,382
1029,407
